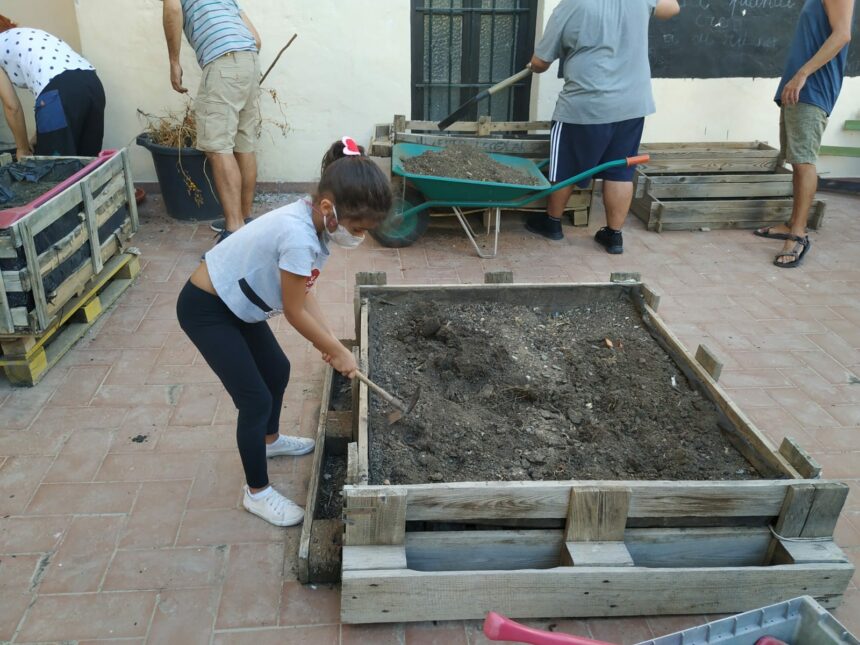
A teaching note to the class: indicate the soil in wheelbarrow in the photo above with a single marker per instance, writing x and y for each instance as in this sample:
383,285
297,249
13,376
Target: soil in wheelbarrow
511,393
464,162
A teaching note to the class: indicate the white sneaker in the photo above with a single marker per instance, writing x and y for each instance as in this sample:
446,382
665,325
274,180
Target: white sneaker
287,445
274,508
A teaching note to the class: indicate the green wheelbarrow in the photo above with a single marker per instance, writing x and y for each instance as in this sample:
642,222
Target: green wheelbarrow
419,194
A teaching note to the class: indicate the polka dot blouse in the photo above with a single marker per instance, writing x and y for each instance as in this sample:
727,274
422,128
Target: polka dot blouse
32,58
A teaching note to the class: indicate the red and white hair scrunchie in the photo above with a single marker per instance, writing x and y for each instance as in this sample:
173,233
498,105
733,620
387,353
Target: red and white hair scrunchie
350,147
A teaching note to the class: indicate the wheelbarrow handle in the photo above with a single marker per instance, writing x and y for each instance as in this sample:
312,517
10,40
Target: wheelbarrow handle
499,628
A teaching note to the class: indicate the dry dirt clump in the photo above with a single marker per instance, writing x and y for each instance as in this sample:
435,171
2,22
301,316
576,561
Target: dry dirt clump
512,392
464,162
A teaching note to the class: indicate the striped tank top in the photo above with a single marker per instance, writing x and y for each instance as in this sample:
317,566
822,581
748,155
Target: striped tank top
215,28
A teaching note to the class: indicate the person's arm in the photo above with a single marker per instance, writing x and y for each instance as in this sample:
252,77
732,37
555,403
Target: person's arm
538,65
312,306
839,14
250,26
14,115
172,18
303,321
666,9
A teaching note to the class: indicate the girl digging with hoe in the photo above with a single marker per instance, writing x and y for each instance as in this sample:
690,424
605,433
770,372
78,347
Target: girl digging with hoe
266,268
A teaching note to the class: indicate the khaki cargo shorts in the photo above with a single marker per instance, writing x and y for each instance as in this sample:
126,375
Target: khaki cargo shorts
801,127
227,107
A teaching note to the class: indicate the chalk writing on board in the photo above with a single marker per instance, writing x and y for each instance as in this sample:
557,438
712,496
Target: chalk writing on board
728,38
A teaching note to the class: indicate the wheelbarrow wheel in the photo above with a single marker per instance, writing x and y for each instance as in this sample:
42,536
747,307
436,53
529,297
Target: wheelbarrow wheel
397,231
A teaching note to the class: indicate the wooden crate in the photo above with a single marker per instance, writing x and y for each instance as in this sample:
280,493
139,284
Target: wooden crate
588,548
103,198
715,186
528,139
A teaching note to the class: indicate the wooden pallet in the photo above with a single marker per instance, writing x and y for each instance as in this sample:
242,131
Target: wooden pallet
588,548
26,359
97,199
715,186
518,138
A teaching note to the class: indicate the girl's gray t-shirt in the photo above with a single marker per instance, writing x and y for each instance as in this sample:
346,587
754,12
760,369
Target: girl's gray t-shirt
245,268
602,46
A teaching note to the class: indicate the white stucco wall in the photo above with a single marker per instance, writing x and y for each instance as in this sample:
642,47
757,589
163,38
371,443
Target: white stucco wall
730,109
348,69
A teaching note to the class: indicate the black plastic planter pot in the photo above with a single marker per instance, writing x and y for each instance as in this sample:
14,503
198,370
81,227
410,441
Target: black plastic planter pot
181,201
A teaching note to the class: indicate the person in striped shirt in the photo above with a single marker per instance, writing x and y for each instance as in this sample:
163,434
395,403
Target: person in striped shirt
227,108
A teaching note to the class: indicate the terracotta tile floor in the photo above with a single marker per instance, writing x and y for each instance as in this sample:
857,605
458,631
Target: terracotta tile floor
109,539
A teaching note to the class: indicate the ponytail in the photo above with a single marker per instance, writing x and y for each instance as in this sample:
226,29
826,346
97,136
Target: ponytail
6,24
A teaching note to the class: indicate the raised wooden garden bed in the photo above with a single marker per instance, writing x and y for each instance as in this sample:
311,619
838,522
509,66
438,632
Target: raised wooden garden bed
57,255
695,186
576,548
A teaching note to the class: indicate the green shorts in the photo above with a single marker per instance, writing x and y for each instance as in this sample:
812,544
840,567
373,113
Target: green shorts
801,127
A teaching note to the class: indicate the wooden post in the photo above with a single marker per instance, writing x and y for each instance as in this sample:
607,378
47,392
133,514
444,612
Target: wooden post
399,126
375,518
594,535
651,297
370,278
800,459
484,126
707,360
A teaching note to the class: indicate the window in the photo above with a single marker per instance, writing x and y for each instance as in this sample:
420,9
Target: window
460,47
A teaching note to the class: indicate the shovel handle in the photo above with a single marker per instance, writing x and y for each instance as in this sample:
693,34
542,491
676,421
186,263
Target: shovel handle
393,400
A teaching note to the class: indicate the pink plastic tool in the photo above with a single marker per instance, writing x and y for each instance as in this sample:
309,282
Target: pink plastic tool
499,628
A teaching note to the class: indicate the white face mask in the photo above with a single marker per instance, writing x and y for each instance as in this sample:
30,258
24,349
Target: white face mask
341,236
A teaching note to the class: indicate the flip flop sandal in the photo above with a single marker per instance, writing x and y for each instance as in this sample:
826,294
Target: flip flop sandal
801,243
765,232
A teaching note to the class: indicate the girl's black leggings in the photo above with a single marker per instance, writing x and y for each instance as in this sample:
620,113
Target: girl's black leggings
251,365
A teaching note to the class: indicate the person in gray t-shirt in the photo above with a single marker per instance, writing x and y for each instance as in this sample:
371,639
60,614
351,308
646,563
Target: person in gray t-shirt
602,46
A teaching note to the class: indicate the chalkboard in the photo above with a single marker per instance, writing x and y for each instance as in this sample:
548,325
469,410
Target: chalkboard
729,38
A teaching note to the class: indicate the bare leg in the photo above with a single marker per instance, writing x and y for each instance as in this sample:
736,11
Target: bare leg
248,169
805,180
228,183
617,197
557,201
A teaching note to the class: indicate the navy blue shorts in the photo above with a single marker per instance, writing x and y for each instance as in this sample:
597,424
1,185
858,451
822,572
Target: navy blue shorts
576,148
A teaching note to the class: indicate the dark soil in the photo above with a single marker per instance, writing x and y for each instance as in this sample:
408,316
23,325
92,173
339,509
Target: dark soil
465,162
332,479
26,192
512,393
341,393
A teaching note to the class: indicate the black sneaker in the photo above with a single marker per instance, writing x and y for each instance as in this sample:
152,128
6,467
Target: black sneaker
543,224
610,239
220,224
222,235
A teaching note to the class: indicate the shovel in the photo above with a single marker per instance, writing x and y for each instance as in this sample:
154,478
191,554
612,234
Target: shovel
480,96
402,408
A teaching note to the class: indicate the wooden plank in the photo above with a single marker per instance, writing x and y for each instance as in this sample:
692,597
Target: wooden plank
826,505
7,325
403,595
795,510
597,514
352,464
541,549
649,500
720,190
314,481
759,448
92,227
710,146
709,164
802,461
374,558
659,182
36,285
129,190
363,416
50,211
535,147
622,277
709,361
472,126
597,554
375,518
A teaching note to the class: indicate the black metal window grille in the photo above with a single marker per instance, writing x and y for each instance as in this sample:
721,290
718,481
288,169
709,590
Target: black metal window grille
460,47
